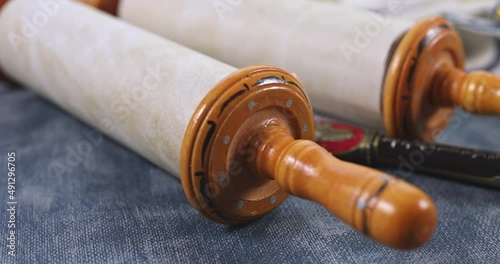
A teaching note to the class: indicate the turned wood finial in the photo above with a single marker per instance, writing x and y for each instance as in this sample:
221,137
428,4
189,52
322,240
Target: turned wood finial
477,92
387,210
249,145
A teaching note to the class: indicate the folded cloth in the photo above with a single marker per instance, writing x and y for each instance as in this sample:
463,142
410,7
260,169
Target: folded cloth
86,199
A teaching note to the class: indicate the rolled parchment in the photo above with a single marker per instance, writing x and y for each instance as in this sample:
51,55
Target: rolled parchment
476,22
366,68
314,40
240,140
117,79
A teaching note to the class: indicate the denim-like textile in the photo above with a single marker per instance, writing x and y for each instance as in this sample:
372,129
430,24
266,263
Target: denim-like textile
110,205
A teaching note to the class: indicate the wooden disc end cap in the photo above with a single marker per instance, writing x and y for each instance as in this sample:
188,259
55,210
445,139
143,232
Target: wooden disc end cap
216,157
425,81
408,107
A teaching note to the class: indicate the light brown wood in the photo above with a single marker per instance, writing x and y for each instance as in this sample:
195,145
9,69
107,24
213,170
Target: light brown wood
249,144
270,141
408,107
425,80
216,152
477,92
389,211
109,6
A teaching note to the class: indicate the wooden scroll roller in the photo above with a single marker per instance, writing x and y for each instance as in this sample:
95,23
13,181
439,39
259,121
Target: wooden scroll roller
369,69
239,139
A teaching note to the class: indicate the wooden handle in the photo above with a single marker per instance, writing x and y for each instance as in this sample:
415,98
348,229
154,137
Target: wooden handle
388,210
477,92
109,6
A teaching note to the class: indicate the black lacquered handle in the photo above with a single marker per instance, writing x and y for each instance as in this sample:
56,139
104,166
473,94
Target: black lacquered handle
372,149
474,166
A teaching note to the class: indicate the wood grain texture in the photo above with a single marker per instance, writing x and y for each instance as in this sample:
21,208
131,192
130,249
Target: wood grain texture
242,157
175,96
216,172
409,108
389,211
426,79
477,92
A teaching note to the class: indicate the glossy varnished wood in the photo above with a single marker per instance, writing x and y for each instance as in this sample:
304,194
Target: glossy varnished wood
259,118
426,79
267,132
109,6
477,92
388,210
216,170
408,107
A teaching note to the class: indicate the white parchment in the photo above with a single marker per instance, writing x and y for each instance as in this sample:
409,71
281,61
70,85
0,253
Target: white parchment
338,53
138,88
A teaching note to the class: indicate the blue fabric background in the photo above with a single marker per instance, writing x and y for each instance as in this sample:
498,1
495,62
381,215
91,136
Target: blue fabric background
116,207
